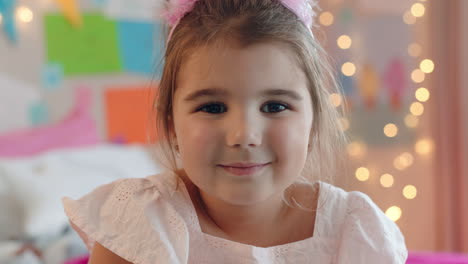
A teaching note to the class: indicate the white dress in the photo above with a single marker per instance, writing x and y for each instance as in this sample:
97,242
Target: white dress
152,220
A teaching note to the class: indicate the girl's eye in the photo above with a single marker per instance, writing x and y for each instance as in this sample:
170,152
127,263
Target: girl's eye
274,107
213,108
219,108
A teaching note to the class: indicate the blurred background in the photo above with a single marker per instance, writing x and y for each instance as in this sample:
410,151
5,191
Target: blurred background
75,87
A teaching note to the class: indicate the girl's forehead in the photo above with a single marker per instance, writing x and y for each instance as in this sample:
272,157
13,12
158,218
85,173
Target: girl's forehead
254,67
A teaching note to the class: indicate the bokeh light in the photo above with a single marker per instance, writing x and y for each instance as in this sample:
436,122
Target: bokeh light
24,14
394,213
344,122
417,108
411,121
408,18
418,76
362,174
422,94
344,42
414,50
410,192
427,66
336,99
386,180
326,18
348,69
424,146
403,161
356,149
390,130
418,10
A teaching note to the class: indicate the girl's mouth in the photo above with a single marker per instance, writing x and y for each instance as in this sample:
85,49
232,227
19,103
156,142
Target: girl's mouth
244,169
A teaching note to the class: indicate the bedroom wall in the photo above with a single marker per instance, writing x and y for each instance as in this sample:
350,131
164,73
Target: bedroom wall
26,60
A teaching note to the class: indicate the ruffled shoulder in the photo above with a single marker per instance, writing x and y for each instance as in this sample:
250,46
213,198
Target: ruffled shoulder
368,235
134,218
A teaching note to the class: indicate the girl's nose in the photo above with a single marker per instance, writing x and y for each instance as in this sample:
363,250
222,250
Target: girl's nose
243,131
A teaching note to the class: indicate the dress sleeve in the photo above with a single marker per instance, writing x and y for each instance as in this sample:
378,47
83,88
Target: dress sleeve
130,218
368,235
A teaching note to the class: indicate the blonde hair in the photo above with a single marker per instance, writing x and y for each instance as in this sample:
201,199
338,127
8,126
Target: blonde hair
248,22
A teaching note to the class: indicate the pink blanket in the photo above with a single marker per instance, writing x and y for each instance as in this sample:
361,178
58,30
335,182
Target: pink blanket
436,258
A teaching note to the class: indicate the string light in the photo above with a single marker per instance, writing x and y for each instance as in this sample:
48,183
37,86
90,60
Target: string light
344,42
326,18
417,108
418,10
410,192
398,164
411,121
394,213
386,180
403,161
344,122
409,18
362,174
390,130
24,14
414,50
356,149
427,66
407,159
348,69
336,99
422,94
418,76
424,146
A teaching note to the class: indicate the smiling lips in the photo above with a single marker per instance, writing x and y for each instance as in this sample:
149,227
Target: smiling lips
241,169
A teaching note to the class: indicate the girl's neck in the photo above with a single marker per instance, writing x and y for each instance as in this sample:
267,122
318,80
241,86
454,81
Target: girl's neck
263,225
244,222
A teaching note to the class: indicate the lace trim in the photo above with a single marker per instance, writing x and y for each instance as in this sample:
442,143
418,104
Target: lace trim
125,189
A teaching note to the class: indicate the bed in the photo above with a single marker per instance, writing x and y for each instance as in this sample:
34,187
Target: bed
35,224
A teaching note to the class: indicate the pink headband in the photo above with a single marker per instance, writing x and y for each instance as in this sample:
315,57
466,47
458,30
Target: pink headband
176,10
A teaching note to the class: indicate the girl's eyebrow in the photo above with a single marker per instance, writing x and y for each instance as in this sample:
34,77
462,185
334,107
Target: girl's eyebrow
212,92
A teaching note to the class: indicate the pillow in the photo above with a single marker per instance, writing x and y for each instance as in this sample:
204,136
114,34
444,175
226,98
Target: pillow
40,182
78,129
12,216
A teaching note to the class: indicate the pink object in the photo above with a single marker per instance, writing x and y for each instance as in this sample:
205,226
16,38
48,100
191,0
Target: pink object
80,260
76,130
395,81
304,9
436,258
177,9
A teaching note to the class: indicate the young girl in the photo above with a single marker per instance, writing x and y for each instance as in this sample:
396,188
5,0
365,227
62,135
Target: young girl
244,118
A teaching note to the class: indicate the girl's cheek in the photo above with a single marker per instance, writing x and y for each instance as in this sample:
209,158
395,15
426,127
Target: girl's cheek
289,132
198,134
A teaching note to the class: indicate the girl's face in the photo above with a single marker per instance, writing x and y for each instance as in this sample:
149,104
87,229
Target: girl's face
242,106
